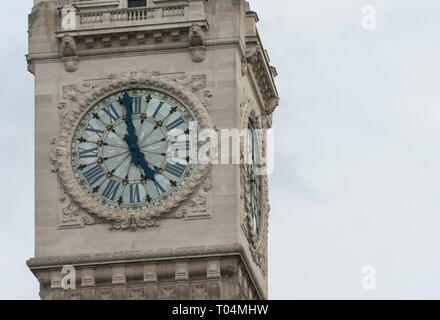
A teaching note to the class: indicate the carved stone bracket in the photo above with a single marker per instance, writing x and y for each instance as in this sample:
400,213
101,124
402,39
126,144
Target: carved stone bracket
256,60
70,53
257,244
80,98
30,65
197,42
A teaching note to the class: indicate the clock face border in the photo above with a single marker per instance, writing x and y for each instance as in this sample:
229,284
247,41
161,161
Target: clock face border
100,134
250,110
85,102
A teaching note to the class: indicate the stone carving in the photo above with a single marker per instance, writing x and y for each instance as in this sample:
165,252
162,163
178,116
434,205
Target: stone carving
196,36
257,244
197,83
128,256
198,54
197,206
244,67
199,292
82,100
71,64
105,294
136,294
68,46
70,53
264,74
205,96
167,293
197,42
72,216
201,276
30,65
250,57
251,54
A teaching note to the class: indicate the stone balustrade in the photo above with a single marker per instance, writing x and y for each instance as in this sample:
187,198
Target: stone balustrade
130,17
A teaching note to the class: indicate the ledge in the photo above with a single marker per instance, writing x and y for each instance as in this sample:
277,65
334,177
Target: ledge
40,264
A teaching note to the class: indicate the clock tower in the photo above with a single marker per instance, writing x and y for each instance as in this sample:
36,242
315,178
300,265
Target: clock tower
123,210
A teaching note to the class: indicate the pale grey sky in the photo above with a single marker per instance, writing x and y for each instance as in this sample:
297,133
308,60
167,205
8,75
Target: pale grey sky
357,175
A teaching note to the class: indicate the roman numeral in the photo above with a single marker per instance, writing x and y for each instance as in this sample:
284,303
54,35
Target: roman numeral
175,124
94,174
160,190
175,169
111,189
88,153
112,113
156,112
91,129
179,146
135,195
137,105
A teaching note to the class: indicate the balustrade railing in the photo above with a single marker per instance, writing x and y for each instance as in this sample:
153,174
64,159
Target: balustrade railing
129,16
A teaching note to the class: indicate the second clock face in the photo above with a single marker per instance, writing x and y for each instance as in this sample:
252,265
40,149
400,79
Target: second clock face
120,148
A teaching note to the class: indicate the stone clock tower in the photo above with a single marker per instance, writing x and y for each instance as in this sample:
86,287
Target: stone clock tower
113,215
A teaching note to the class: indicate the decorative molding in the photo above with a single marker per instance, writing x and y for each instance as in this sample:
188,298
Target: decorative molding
167,293
199,292
71,215
30,65
132,256
257,244
197,206
78,99
257,61
198,84
197,278
198,54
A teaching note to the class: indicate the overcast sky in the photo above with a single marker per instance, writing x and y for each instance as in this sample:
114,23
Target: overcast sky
357,176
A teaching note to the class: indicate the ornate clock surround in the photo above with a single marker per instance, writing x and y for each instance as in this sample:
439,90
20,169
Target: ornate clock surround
257,244
177,87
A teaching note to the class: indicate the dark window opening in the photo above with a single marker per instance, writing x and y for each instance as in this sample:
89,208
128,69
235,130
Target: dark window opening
137,3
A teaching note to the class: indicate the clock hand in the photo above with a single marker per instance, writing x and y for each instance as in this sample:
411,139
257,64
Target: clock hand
149,173
137,157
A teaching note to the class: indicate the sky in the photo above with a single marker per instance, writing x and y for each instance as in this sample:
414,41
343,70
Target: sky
357,175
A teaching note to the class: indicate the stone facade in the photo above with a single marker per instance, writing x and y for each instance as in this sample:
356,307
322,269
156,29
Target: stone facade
210,56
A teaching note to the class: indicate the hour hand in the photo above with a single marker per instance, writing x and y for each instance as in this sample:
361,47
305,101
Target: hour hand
127,102
138,158
148,172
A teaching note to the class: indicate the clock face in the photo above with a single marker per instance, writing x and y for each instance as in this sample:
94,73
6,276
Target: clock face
254,180
122,153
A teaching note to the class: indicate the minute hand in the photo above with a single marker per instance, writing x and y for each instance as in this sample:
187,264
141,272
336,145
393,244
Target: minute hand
137,157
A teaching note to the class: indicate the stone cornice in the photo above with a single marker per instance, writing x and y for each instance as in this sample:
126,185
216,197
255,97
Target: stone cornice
40,264
132,256
263,73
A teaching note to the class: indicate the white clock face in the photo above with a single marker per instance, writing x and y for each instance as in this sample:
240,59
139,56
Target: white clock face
119,150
